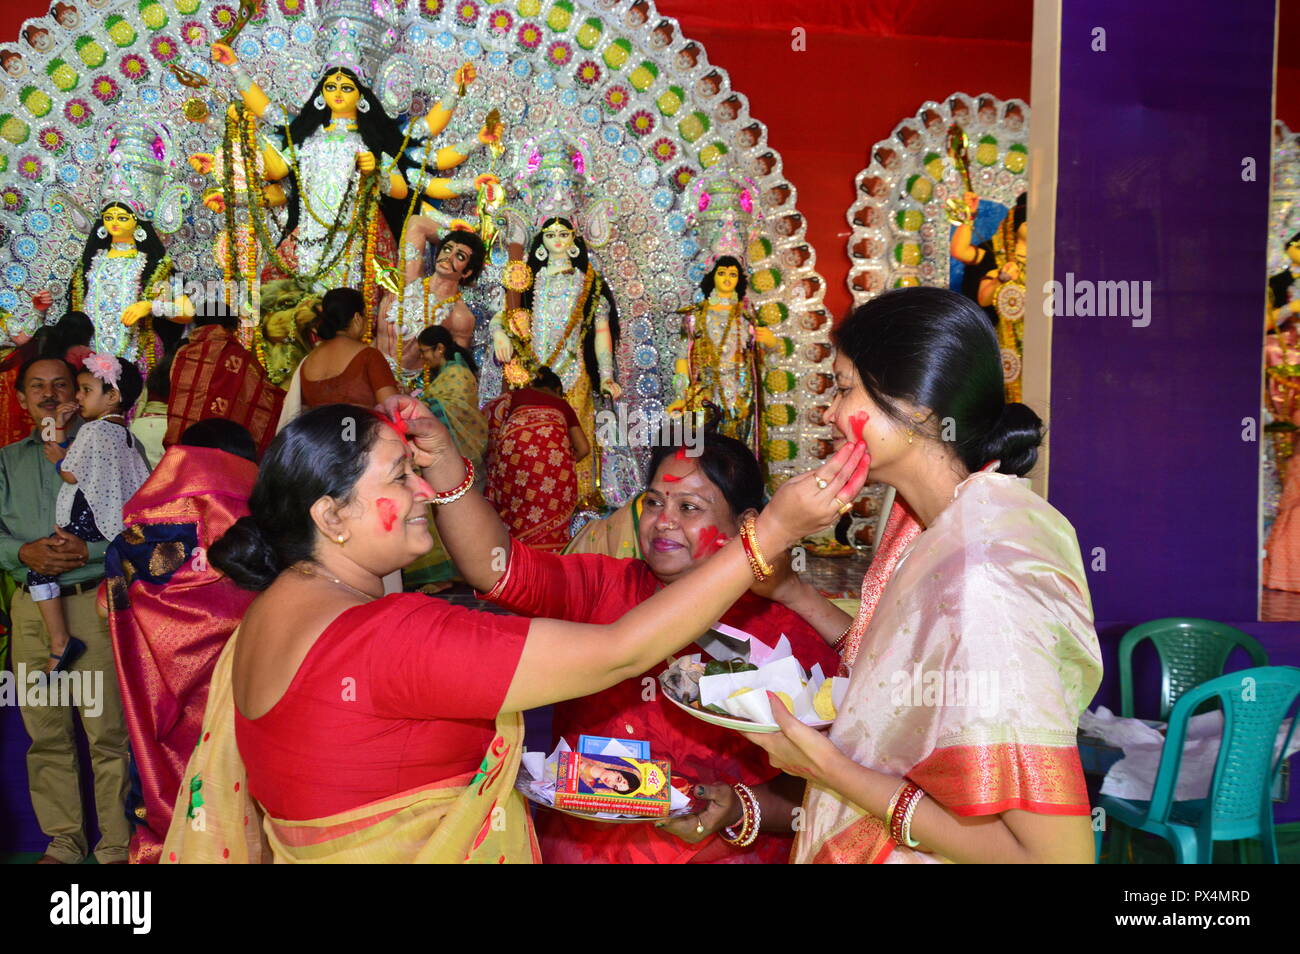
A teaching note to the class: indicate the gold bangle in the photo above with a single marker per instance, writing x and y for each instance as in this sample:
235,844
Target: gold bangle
747,532
893,803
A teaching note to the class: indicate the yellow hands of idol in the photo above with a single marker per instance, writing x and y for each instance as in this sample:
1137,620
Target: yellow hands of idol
223,54
134,313
366,162
766,338
502,347
465,75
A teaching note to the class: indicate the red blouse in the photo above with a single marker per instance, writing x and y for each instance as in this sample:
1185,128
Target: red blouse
395,694
359,383
591,588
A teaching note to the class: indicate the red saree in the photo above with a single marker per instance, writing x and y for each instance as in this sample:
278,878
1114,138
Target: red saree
15,424
532,480
214,375
170,614
590,588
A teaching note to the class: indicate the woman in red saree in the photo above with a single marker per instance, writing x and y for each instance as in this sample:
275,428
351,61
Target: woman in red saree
691,506
170,612
534,443
956,740
343,725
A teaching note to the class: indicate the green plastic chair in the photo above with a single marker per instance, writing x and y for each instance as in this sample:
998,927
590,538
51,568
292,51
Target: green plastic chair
1239,804
1191,652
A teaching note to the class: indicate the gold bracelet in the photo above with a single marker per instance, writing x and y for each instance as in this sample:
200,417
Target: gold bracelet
761,567
893,803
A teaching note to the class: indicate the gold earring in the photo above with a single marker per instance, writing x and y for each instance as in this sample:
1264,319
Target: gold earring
340,539
910,432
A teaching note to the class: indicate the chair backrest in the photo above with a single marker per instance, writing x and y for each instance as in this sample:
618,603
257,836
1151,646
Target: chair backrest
1191,651
1254,701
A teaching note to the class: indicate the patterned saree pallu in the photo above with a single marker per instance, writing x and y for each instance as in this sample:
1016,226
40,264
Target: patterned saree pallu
478,819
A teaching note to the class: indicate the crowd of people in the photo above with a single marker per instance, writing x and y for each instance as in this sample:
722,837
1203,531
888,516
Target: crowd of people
268,670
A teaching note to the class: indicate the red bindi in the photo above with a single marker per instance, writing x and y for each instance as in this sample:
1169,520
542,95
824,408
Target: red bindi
387,513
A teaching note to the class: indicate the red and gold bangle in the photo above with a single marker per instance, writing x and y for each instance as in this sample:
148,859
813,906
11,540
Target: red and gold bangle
761,569
751,818
905,799
451,496
838,645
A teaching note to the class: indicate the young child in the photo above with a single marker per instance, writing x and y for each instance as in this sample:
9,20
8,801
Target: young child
101,471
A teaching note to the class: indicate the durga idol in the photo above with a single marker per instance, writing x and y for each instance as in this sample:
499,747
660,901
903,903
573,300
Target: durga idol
349,160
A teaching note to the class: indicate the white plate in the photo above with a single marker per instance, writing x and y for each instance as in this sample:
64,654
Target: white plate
733,722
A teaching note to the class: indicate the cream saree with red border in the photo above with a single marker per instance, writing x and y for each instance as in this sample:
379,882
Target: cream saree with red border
971,675
477,818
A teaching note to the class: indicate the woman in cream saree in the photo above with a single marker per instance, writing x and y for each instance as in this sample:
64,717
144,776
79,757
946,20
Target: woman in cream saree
974,651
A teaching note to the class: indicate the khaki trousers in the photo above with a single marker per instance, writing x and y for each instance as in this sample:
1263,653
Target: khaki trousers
53,773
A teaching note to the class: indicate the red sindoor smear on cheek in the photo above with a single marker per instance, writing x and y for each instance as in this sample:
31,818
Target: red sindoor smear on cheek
670,479
387,512
857,421
711,540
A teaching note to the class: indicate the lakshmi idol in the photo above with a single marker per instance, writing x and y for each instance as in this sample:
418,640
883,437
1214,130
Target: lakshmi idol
123,279
348,160
568,322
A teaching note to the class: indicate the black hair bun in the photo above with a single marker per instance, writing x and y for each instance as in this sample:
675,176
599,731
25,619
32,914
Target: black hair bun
244,555
1015,439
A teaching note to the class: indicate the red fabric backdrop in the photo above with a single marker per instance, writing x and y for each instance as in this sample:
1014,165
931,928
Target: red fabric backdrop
865,67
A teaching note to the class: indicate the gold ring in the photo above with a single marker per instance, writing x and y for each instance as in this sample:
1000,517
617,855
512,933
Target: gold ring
822,484
844,507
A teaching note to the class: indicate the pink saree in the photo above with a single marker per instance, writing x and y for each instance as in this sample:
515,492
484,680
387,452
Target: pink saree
170,614
978,658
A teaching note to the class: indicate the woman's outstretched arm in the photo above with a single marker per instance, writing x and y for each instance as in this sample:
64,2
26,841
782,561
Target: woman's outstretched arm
566,660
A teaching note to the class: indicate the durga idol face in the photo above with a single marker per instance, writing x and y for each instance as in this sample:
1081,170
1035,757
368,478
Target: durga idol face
120,225
341,95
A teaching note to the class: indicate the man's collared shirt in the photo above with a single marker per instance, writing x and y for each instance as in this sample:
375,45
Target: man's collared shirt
29,488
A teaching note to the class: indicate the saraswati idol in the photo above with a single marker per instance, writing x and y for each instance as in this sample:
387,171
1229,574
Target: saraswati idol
567,318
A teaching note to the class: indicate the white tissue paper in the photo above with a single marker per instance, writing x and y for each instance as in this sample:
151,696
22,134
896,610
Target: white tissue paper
779,672
538,773
1134,776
